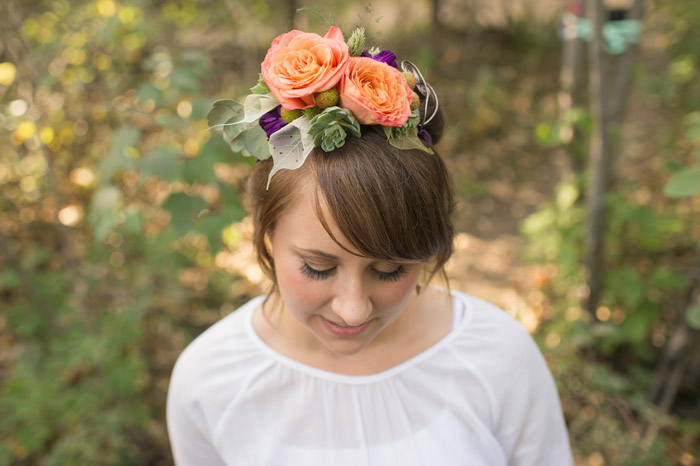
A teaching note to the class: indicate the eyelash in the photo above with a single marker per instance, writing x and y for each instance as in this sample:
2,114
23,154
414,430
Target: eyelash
314,274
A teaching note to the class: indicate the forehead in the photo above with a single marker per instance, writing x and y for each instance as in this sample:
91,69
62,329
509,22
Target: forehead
300,224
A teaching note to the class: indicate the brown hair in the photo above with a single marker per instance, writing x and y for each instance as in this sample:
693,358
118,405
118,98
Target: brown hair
390,204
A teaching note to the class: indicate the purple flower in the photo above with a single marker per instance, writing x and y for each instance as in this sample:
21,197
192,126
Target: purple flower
384,56
272,121
425,137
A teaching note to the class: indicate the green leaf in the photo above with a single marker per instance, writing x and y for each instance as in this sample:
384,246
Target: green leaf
255,143
693,315
132,220
200,169
685,183
637,326
261,87
122,154
198,60
185,79
248,139
410,141
9,279
162,162
212,225
223,111
692,120
103,214
200,108
149,92
183,208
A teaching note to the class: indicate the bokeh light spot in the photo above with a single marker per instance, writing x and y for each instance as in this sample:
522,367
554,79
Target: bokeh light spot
70,215
82,176
603,313
18,107
184,109
25,130
46,135
106,8
8,72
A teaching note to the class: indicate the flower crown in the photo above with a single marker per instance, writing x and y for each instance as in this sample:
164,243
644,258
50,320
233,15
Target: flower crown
314,91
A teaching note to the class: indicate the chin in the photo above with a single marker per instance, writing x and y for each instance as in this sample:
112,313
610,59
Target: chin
348,348
345,348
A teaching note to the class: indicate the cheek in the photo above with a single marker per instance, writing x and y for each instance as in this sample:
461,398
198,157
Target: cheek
395,295
294,286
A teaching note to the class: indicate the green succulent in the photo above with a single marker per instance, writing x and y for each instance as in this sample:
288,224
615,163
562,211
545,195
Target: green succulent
310,113
412,122
330,128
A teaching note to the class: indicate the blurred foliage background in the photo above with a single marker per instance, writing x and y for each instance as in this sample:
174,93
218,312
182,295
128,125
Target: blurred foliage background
123,233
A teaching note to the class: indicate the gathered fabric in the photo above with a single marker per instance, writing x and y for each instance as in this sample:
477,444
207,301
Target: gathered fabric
481,396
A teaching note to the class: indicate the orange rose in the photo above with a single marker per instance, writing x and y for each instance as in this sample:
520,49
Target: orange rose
298,64
375,92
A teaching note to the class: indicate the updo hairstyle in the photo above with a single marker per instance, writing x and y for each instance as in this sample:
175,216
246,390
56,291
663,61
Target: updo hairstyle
390,204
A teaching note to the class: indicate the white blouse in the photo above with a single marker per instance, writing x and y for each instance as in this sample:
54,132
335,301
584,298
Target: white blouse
481,396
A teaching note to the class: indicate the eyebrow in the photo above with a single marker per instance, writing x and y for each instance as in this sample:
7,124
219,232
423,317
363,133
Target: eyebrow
325,255
316,252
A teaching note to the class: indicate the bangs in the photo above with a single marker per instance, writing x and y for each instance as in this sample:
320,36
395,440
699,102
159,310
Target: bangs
390,204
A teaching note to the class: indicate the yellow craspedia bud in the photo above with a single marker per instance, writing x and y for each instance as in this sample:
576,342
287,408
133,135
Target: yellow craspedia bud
410,79
8,71
415,101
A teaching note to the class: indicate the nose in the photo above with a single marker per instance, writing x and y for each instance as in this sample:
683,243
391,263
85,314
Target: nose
352,303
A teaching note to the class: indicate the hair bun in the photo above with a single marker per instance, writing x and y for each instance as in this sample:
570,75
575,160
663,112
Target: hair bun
436,125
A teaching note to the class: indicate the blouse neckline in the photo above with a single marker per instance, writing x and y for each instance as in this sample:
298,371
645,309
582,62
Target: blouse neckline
459,302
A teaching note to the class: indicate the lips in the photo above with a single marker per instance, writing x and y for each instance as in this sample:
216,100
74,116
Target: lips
344,330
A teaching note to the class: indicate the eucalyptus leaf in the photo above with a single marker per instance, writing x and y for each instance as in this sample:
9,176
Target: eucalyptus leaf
247,138
256,105
255,143
410,141
222,112
233,128
290,146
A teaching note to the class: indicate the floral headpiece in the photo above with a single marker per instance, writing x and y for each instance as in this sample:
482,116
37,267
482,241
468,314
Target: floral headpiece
314,91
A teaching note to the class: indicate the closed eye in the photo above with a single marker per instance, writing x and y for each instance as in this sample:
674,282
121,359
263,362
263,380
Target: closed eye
393,276
315,274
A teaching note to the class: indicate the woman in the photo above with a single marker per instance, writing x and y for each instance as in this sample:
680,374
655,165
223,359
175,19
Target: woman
351,359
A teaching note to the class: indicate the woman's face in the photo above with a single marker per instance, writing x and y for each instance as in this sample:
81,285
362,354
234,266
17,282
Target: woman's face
345,301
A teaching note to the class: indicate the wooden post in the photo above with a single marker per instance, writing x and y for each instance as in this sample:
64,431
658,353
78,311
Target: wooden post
606,106
599,153
571,79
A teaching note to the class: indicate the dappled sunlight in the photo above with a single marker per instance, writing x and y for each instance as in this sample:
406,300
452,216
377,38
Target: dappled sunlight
123,232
